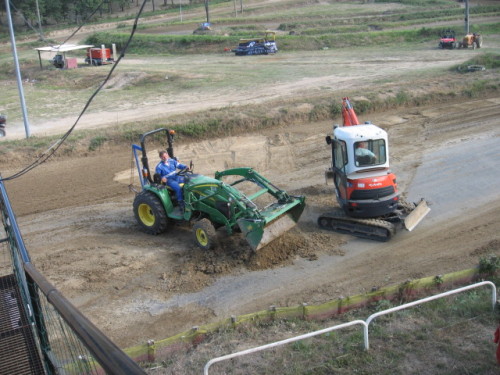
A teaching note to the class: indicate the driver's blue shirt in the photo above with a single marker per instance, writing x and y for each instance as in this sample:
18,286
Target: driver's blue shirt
168,169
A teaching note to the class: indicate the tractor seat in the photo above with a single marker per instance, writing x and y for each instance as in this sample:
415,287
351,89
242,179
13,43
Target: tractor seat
157,178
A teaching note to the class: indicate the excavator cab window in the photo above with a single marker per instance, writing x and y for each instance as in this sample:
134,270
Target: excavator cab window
369,152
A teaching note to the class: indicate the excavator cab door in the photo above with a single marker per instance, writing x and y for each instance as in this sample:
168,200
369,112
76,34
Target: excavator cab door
339,162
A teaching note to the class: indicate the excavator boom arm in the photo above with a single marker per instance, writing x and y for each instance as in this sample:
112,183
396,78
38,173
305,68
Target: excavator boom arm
348,114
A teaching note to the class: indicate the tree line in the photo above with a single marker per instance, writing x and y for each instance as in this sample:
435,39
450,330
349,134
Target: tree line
53,12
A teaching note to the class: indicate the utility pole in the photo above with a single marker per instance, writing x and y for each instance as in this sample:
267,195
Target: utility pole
467,17
18,72
206,11
39,20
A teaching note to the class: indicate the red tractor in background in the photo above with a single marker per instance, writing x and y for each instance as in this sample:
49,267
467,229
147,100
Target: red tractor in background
370,205
99,56
448,40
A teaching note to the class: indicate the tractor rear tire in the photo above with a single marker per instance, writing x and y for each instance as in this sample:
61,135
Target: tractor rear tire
204,234
3,133
150,213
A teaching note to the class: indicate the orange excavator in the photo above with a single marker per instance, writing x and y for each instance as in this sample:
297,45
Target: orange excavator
370,205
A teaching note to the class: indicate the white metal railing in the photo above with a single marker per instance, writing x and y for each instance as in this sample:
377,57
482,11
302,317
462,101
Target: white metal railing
431,298
283,342
365,324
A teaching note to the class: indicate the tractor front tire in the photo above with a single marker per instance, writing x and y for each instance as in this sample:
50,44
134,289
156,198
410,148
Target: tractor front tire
149,213
204,234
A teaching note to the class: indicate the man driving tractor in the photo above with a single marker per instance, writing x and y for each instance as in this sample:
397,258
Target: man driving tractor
167,169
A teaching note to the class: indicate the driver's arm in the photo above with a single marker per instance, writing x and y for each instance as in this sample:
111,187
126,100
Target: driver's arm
181,166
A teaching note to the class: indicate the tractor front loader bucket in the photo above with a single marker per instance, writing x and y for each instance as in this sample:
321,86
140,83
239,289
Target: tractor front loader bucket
276,220
262,224
416,215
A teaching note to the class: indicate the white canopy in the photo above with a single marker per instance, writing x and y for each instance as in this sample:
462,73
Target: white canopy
64,47
60,49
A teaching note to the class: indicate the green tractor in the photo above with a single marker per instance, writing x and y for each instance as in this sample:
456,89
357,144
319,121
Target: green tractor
239,199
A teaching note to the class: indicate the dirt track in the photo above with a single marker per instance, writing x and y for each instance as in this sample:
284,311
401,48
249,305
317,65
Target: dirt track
76,218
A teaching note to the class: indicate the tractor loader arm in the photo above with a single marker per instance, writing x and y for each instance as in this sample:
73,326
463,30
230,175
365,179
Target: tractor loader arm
249,174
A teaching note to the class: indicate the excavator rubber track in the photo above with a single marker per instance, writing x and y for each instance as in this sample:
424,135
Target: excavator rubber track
373,229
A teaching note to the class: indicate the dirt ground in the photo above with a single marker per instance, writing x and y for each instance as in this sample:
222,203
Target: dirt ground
76,217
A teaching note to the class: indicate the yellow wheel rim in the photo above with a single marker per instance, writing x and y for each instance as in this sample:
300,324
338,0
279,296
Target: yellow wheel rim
201,237
146,214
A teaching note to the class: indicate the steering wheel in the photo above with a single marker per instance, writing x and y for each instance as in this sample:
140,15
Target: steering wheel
186,170
183,172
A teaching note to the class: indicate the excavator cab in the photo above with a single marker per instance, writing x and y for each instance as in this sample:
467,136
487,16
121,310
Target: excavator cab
360,171
360,148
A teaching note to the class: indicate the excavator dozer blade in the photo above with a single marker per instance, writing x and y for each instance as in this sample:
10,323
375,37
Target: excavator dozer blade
416,216
276,221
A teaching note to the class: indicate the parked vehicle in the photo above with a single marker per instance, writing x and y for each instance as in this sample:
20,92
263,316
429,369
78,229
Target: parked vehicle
448,40
257,46
472,40
99,56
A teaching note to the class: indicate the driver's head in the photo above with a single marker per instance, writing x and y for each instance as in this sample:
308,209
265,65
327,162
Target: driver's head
164,155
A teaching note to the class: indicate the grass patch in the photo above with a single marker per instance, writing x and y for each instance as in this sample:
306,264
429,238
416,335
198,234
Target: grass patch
452,335
150,44
97,142
487,60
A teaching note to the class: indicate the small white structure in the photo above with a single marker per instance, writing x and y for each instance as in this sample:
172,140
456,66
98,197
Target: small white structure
60,60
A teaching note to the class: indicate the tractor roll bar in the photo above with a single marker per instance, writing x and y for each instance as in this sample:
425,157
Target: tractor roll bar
169,133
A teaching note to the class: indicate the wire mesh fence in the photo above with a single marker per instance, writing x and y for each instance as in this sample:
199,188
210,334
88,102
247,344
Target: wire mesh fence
62,347
40,331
